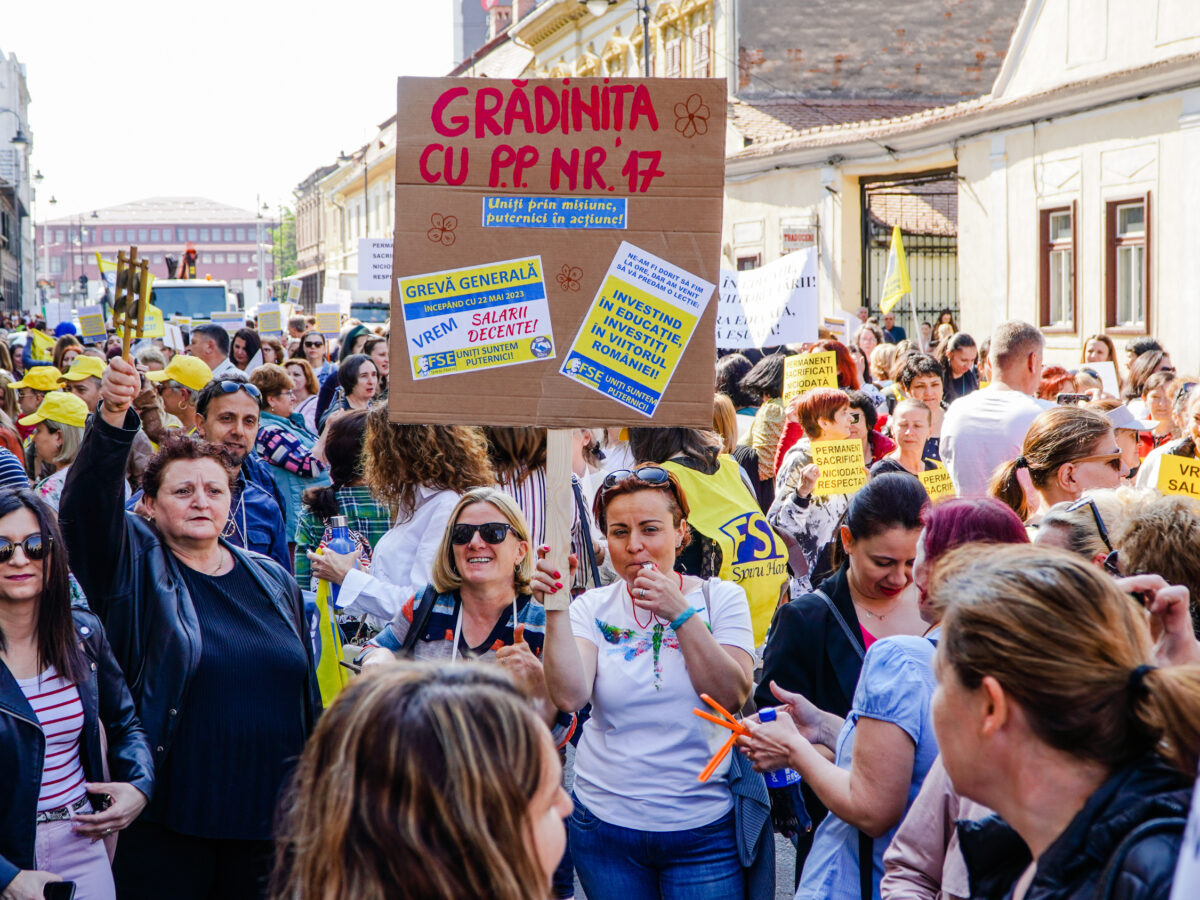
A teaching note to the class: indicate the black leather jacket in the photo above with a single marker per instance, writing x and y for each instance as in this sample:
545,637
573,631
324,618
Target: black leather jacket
133,583
1146,790
106,699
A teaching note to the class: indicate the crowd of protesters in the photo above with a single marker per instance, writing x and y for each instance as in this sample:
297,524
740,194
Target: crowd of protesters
257,640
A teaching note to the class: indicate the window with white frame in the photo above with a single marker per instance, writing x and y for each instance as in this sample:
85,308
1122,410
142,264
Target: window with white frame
1128,263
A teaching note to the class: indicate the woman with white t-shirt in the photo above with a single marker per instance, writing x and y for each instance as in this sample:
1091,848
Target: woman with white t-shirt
642,650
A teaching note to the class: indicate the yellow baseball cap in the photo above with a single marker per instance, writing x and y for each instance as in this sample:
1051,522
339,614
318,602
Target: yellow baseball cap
84,367
187,370
39,378
61,407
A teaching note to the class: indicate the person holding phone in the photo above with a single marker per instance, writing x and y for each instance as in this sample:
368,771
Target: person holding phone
59,684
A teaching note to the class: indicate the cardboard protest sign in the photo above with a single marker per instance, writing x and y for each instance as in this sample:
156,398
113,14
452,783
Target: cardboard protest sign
937,483
374,264
806,371
841,465
1179,475
508,321
542,189
637,329
772,305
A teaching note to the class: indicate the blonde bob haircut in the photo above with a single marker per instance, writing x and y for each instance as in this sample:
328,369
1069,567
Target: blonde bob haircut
446,577
416,785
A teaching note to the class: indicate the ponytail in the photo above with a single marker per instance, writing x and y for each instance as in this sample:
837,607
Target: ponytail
1057,436
1006,487
1165,704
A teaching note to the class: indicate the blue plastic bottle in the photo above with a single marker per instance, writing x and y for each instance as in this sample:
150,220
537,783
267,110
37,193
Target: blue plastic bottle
340,542
780,777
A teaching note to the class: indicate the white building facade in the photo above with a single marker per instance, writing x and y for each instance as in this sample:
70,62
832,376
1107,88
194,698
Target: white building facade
1072,188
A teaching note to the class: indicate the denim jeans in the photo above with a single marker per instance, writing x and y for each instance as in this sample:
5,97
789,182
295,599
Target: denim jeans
616,863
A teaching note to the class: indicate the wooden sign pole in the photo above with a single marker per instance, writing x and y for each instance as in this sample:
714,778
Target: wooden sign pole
560,504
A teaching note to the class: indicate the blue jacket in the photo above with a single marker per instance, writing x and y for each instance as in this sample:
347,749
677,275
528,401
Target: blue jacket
106,701
259,471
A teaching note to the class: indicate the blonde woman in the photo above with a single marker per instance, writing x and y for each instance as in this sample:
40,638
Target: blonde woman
424,783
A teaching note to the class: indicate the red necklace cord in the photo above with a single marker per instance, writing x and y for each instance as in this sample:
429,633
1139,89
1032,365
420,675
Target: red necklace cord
653,616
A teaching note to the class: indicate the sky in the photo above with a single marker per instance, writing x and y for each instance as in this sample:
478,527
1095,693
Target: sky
219,99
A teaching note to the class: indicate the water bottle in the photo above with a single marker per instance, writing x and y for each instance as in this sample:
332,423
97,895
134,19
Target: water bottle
340,542
780,777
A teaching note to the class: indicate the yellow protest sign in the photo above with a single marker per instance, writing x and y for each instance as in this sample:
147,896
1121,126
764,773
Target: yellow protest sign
479,317
637,329
91,323
841,465
938,484
809,370
152,325
1179,475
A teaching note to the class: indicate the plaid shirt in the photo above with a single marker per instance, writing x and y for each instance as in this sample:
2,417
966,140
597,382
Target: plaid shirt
368,522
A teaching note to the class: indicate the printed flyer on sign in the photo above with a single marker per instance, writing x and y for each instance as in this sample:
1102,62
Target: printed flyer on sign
482,317
637,328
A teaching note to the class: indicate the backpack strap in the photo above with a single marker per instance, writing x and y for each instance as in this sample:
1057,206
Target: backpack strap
1108,878
421,615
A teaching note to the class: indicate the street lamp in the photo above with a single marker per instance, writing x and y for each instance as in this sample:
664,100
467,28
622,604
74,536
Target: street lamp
599,7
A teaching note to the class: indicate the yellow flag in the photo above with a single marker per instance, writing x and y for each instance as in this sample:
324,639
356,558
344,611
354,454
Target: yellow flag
895,280
152,326
42,348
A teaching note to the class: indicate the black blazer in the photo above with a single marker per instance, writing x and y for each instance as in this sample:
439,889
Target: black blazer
808,652
106,700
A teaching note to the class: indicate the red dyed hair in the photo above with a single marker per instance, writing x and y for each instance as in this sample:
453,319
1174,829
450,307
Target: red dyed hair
954,522
819,403
1055,379
846,369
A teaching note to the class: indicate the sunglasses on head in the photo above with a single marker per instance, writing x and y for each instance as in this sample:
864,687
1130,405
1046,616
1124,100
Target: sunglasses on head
491,532
655,475
232,387
1088,501
34,547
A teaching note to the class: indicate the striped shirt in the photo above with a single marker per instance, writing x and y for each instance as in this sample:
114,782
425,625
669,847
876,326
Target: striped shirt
56,704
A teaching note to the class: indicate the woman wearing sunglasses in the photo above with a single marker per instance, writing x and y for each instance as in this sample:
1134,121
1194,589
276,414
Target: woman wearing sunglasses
59,683
825,415
641,651
313,349
1067,450
214,644
419,472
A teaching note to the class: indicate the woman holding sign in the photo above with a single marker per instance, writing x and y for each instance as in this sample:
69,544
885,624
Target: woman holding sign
1187,446
825,415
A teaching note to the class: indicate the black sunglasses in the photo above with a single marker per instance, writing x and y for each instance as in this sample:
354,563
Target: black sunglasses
232,387
34,547
311,344
655,475
491,532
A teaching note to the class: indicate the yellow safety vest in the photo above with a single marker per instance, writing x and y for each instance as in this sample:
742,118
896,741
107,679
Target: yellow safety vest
752,554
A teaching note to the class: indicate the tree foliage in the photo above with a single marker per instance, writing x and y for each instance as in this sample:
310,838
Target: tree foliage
283,241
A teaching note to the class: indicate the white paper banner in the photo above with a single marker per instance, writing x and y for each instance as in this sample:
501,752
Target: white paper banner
375,264
772,305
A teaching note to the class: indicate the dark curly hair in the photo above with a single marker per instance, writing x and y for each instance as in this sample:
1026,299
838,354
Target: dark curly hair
177,448
400,458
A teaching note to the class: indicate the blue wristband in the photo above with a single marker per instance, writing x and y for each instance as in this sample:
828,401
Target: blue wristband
678,621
